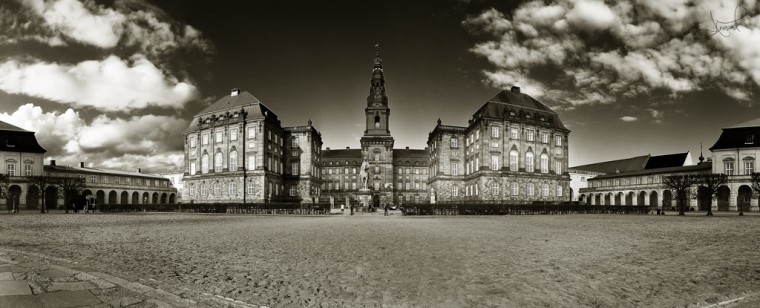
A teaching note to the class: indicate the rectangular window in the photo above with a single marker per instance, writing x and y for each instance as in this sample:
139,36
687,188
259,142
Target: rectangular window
296,168
544,163
129,181
477,135
495,189
544,137
529,135
558,167
729,167
417,186
454,168
455,191
295,142
28,170
192,168
204,139
11,169
218,137
558,140
192,141
495,131
292,191
252,132
233,134
749,167
118,179
93,179
531,189
515,188
545,190
454,142
559,191
514,133
353,185
250,188
495,162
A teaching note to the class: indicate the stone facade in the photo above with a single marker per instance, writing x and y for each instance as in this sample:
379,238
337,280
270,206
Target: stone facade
21,156
236,150
513,150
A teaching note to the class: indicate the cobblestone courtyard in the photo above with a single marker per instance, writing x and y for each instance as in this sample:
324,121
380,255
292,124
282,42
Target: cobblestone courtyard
371,260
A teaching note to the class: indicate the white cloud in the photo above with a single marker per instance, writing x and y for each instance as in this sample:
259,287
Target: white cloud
125,24
101,28
112,84
591,15
629,119
603,52
149,141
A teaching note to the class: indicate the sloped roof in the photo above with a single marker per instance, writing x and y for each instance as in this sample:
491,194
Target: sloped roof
667,161
506,100
229,101
706,166
613,166
244,100
57,168
638,163
519,99
4,126
16,139
740,137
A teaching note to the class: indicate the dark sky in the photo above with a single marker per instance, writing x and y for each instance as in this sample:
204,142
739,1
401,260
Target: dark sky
624,78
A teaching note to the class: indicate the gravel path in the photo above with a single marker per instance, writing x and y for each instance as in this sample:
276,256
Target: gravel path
370,260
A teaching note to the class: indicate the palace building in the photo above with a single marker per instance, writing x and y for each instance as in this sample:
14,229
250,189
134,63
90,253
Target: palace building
514,148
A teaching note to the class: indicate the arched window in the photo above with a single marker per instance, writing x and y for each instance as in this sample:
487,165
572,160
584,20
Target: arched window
545,190
204,164
218,162
217,189
531,189
515,188
203,190
233,161
559,191
377,121
544,163
529,162
513,160
192,190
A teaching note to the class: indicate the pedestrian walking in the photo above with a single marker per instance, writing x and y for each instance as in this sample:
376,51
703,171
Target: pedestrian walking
386,209
352,209
342,208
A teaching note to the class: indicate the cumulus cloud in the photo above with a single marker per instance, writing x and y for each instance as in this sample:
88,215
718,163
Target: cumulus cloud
104,141
657,115
112,84
629,119
602,52
124,24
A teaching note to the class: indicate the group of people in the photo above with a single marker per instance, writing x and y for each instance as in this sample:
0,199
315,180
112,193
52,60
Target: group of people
343,208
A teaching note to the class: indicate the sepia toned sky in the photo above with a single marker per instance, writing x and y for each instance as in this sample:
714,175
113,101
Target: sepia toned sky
114,83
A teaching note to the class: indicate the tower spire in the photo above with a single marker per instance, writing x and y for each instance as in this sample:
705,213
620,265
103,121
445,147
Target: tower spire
377,83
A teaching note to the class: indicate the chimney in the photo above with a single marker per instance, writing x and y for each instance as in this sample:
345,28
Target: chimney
516,89
52,162
617,170
328,148
81,164
407,148
138,170
348,148
235,92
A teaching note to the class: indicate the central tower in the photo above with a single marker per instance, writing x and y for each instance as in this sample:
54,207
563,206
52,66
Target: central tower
377,143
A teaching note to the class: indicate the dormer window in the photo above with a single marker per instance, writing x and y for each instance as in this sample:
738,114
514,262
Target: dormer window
527,115
512,113
10,143
750,139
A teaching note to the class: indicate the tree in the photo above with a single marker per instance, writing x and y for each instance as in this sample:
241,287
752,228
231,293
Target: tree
70,184
4,184
755,187
43,182
680,184
711,182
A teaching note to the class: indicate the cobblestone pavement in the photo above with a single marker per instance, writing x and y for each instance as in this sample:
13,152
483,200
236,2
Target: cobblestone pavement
369,260
30,280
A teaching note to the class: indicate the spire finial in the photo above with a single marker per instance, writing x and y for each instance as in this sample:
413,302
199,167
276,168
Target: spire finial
377,49
701,157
